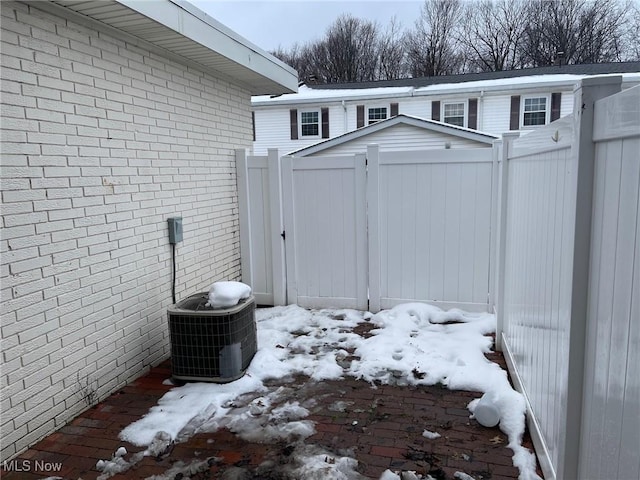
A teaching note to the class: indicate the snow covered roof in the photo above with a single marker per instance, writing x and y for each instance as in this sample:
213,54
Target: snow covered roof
430,125
537,78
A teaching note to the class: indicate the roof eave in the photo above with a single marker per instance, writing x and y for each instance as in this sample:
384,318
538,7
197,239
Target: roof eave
183,31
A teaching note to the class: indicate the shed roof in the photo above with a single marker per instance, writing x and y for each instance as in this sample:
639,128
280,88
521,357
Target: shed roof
182,30
427,125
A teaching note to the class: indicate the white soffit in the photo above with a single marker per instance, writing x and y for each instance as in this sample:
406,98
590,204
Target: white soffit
180,28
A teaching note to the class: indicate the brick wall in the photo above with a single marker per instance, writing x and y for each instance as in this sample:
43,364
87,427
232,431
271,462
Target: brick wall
102,141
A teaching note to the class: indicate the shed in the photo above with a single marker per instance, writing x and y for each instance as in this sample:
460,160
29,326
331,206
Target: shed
401,133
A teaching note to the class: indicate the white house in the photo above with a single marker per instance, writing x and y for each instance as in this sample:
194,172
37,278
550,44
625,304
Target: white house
493,102
116,116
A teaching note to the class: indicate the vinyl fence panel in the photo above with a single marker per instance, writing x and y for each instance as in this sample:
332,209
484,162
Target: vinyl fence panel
262,251
432,220
611,431
325,225
537,292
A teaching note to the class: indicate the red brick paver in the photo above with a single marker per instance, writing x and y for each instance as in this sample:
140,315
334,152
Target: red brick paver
380,426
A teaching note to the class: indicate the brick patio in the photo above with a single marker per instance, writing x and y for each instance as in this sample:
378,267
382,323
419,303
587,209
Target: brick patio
387,435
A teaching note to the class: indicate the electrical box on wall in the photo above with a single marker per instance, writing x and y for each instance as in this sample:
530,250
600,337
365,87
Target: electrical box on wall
175,229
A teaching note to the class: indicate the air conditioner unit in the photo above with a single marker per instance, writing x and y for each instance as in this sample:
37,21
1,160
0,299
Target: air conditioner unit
211,345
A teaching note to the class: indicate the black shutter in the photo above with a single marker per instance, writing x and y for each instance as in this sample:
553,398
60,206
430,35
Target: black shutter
360,116
514,118
324,113
472,121
253,124
293,116
435,111
394,109
555,105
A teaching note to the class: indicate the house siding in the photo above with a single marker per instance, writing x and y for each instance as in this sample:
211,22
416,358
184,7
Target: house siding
494,114
272,130
415,107
566,104
351,117
103,141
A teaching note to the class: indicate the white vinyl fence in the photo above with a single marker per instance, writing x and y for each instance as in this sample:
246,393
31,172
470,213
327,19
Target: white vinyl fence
260,204
568,302
370,230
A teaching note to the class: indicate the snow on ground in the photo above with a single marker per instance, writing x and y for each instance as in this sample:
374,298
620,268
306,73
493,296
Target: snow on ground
412,343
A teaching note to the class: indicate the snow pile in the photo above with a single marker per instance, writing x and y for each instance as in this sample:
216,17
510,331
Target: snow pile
318,465
112,467
462,476
227,294
405,475
187,408
184,470
430,435
258,422
411,344
414,342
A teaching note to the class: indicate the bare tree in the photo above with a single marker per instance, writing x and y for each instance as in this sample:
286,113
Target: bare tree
297,57
392,62
431,45
349,51
583,32
491,34
600,38
549,31
631,34
482,35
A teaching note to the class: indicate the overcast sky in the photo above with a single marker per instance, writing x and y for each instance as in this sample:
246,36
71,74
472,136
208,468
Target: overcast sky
270,24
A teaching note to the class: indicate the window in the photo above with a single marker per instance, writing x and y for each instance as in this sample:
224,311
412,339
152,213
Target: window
534,111
376,114
453,113
310,124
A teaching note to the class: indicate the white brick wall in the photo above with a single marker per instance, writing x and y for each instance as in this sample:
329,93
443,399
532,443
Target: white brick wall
102,142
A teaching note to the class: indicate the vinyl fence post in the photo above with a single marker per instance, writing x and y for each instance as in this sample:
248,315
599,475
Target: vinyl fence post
246,255
583,159
501,238
493,224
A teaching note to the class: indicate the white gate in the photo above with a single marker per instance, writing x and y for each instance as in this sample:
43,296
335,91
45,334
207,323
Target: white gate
407,226
430,217
326,231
